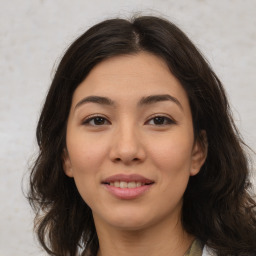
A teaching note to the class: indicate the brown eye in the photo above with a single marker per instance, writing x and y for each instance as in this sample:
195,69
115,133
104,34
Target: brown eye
96,121
160,120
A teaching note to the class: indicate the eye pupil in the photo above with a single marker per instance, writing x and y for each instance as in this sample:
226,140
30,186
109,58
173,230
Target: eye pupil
99,120
159,120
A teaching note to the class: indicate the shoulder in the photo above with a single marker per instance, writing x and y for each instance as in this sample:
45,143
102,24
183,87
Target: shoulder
207,251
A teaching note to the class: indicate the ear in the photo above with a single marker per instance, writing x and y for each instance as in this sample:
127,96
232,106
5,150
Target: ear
67,167
199,153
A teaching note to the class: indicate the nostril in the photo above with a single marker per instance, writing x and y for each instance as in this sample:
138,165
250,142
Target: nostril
118,159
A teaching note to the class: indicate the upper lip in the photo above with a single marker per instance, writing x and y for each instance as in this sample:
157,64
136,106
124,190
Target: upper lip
127,178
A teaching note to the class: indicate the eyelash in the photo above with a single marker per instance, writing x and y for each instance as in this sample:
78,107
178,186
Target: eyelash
93,118
167,120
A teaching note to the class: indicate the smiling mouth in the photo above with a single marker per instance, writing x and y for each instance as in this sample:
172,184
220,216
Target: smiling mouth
123,186
130,184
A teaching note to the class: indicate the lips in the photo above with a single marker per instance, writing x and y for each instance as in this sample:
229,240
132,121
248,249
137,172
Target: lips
127,178
124,184
127,186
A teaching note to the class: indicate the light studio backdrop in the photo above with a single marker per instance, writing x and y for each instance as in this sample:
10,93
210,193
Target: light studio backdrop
33,36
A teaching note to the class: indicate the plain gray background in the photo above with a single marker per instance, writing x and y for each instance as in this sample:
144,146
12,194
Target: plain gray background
33,36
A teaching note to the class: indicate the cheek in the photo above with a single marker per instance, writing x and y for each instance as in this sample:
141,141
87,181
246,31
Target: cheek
172,154
86,156
172,159
86,152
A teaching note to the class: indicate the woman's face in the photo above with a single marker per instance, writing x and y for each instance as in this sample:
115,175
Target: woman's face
130,142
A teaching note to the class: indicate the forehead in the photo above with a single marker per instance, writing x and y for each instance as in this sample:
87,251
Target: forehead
130,77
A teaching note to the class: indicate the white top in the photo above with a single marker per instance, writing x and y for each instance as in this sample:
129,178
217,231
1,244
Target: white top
208,252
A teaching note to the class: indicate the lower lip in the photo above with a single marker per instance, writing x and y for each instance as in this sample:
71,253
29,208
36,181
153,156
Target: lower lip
127,193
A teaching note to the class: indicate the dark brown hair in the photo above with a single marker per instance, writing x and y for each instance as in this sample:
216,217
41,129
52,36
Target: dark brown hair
217,206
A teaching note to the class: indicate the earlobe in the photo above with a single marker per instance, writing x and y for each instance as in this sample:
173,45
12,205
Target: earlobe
199,153
67,167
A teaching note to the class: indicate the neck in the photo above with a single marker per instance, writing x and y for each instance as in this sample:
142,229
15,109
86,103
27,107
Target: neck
160,240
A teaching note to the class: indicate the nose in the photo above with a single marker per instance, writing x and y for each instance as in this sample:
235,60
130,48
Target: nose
127,146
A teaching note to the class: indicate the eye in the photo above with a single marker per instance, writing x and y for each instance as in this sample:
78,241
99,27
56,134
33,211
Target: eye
160,120
96,121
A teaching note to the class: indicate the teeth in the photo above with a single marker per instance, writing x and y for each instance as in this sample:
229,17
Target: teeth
124,184
138,184
131,184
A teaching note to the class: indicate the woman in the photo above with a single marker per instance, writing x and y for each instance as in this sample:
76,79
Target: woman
139,154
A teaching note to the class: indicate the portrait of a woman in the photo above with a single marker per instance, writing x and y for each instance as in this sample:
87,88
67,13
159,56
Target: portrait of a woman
138,150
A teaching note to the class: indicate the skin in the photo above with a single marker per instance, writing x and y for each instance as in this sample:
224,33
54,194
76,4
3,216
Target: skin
128,140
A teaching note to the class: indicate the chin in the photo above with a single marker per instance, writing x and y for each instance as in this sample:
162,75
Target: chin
131,223
124,220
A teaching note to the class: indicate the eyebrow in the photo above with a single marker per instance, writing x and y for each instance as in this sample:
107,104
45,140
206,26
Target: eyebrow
158,98
96,99
151,99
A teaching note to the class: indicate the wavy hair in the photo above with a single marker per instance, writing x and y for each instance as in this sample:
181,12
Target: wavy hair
217,208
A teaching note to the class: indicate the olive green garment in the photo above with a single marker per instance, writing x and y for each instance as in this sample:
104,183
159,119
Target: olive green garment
196,249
